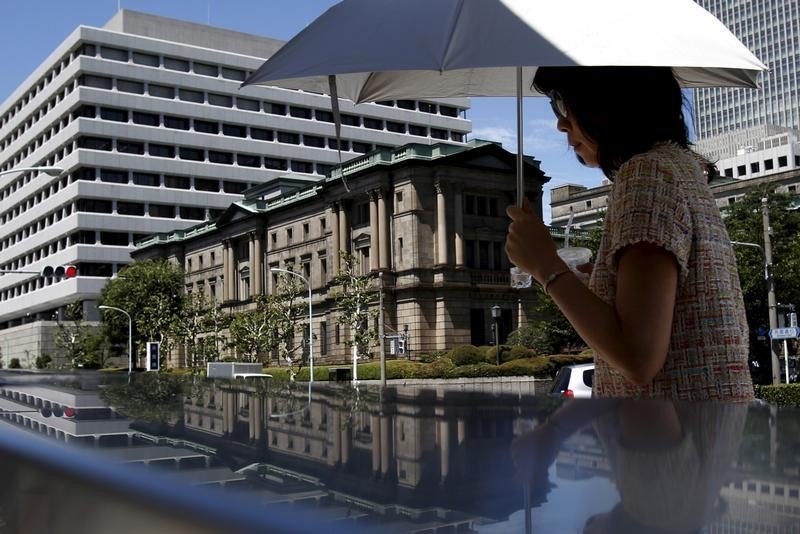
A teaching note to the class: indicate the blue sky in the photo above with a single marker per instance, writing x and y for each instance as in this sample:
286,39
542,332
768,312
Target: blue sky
30,30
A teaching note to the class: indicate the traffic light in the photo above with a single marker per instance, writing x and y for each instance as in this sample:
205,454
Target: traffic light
60,271
57,411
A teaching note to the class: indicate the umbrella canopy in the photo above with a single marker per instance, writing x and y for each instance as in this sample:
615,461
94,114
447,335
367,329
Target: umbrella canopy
393,49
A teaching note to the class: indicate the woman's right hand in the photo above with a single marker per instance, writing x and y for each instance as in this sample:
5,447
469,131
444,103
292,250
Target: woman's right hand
529,244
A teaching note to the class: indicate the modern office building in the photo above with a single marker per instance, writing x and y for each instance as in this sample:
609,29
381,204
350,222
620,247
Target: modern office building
147,119
431,219
771,30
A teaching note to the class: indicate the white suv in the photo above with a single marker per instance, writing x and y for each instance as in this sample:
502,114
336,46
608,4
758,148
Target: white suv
574,381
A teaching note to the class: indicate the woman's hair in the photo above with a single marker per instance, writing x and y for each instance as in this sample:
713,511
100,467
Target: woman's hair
625,110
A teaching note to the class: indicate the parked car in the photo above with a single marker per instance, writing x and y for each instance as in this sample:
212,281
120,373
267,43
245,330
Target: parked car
574,381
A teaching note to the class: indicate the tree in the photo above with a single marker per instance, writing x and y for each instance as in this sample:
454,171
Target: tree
353,297
150,291
252,331
743,220
197,315
80,343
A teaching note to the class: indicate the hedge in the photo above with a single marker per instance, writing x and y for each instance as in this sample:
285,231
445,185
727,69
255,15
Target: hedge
780,395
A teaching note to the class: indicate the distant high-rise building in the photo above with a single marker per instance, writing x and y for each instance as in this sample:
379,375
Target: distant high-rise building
771,30
147,119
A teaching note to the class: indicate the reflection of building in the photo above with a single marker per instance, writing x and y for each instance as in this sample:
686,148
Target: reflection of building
147,118
417,456
431,218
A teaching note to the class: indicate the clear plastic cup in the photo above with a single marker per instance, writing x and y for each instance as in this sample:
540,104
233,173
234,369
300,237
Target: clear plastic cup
575,257
520,279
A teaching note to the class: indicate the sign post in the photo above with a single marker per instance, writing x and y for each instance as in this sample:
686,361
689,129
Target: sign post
789,332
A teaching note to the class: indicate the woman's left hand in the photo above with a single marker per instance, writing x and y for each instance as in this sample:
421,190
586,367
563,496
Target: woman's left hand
529,244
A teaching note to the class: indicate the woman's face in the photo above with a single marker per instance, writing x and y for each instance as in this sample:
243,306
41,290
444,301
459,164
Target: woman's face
585,148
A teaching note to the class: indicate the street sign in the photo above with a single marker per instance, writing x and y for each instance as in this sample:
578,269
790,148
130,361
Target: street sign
789,332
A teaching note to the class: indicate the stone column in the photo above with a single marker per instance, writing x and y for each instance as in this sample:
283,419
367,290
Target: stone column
374,257
441,224
344,229
375,429
459,231
257,272
383,232
232,275
444,449
226,295
386,445
335,241
257,408
336,435
251,253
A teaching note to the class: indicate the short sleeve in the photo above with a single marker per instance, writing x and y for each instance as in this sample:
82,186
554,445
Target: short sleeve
648,205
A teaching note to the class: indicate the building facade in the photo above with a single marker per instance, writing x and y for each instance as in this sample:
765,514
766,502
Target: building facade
148,122
589,204
771,30
430,218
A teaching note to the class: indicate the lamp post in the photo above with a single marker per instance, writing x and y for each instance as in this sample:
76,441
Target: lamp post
130,334
310,325
496,311
51,171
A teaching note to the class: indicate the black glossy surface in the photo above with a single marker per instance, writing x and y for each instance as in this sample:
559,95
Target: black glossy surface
170,453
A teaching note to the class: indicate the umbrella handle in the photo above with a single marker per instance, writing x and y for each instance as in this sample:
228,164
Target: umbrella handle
337,125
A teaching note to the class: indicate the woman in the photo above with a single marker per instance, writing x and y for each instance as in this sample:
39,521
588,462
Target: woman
663,310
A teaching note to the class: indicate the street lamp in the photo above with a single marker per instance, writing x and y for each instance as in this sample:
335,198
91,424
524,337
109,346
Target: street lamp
51,171
130,334
496,311
310,326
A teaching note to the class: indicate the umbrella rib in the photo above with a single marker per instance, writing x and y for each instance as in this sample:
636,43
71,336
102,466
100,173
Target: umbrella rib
450,33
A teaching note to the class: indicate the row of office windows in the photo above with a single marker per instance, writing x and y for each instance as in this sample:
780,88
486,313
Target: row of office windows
756,166
190,95
229,73
37,88
196,154
175,122
271,108
101,206
119,176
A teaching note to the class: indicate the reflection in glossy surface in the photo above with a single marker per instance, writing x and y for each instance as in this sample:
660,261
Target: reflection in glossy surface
431,459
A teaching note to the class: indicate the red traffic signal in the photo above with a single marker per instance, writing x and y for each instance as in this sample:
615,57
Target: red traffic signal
60,271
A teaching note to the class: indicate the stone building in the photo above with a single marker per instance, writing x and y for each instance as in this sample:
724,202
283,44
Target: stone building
147,123
431,218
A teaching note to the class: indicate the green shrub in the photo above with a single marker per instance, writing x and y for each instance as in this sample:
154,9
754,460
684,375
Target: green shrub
491,354
438,369
403,369
430,357
780,395
518,352
468,355
540,366
43,361
561,360
14,364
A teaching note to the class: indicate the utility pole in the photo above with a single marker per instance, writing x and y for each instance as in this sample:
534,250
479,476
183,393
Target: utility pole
771,302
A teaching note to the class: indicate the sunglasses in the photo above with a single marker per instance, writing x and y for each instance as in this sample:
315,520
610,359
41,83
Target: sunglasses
557,104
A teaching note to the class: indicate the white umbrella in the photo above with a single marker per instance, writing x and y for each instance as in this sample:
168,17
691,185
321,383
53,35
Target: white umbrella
394,49
371,50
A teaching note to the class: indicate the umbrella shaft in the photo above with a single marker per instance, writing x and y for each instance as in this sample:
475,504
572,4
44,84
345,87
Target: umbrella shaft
520,183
